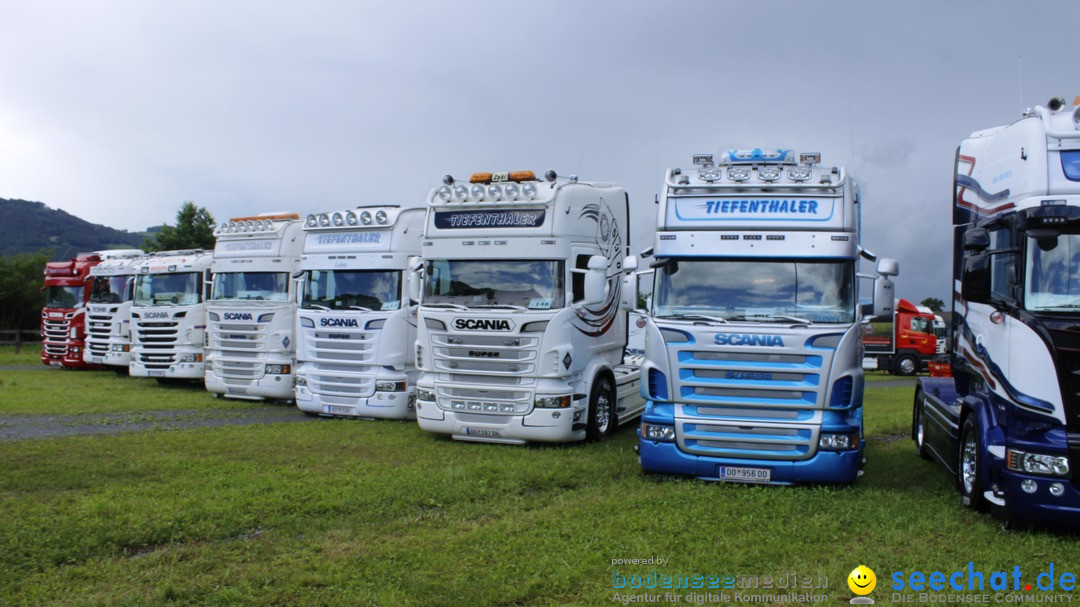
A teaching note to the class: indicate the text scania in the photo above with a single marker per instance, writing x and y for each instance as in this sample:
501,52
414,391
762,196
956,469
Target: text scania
339,322
237,315
748,339
476,324
764,207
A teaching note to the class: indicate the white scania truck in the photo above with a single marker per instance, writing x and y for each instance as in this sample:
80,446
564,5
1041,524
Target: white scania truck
753,352
252,311
357,327
108,315
523,315
168,315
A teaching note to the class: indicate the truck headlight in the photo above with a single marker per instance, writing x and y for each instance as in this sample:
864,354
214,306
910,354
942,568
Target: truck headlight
1037,463
838,442
422,394
301,380
552,402
191,358
278,369
390,386
658,432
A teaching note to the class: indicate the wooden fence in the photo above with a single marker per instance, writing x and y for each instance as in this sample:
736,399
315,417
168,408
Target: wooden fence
20,337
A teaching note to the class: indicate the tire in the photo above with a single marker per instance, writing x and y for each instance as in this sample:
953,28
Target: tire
601,410
969,465
918,426
906,365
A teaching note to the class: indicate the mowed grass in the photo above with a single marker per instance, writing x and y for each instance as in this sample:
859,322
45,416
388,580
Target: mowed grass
381,513
29,354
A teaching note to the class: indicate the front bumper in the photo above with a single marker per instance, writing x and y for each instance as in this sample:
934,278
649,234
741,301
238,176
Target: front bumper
1041,507
274,387
381,405
540,425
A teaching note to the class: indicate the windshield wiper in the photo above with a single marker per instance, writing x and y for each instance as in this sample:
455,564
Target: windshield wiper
503,307
705,317
315,305
801,321
361,308
452,306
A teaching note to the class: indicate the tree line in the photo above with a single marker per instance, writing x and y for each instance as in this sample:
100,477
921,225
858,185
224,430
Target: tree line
22,276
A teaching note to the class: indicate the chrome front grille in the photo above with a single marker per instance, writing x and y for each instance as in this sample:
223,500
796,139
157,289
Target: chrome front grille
55,336
155,343
342,364
237,350
99,328
481,371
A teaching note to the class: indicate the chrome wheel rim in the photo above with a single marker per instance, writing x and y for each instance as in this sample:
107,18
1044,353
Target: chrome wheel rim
907,366
603,411
967,463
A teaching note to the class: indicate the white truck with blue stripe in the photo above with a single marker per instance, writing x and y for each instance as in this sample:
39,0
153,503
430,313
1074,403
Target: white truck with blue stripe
753,350
1007,424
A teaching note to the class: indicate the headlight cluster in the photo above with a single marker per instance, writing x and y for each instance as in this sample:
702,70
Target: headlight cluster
422,394
1037,463
552,402
278,369
838,442
658,432
191,358
390,386
340,219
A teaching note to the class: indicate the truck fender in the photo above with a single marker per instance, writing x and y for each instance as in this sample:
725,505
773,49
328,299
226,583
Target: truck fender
992,438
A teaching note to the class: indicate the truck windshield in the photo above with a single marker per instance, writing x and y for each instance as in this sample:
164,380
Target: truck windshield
352,290
529,284
181,289
251,286
64,297
756,290
110,289
1052,276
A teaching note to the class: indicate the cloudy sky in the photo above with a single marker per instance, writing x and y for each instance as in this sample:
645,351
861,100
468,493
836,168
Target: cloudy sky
118,112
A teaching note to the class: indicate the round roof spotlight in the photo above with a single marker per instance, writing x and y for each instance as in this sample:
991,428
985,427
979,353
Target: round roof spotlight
1076,117
448,179
324,220
477,192
494,192
445,193
350,218
529,191
550,175
365,218
312,221
338,219
1056,104
461,192
511,191
380,217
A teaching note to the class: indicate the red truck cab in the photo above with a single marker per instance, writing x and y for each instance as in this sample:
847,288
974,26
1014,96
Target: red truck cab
63,319
904,346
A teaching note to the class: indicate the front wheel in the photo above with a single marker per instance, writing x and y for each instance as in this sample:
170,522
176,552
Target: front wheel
970,464
601,410
906,365
918,431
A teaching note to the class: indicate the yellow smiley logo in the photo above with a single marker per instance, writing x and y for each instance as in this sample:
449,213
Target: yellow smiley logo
862,580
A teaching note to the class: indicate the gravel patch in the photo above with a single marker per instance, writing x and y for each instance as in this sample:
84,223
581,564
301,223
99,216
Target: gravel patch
25,427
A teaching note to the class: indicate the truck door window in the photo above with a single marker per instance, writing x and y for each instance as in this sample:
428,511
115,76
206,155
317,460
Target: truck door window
1002,264
577,277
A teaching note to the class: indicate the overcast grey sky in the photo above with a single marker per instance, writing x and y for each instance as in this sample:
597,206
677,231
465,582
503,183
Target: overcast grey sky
118,112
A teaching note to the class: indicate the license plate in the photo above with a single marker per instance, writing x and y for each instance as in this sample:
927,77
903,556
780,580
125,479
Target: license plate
339,410
483,432
54,363
745,475
156,373
232,390
95,359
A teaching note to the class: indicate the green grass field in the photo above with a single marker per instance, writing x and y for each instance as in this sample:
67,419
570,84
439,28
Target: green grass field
381,513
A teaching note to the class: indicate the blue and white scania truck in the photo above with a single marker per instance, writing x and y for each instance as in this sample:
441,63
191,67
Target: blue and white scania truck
753,351
522,322
1007,424
357,326
251,315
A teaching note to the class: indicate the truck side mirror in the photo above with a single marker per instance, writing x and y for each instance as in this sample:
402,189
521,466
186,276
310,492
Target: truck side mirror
630,263
629,297
888,267
596,280
976,239
883,296
412,284
975,283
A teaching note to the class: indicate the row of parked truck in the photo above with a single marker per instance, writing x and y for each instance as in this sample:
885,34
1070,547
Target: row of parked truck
498,312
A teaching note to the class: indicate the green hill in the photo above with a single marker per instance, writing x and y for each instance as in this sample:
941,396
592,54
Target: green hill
26,227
